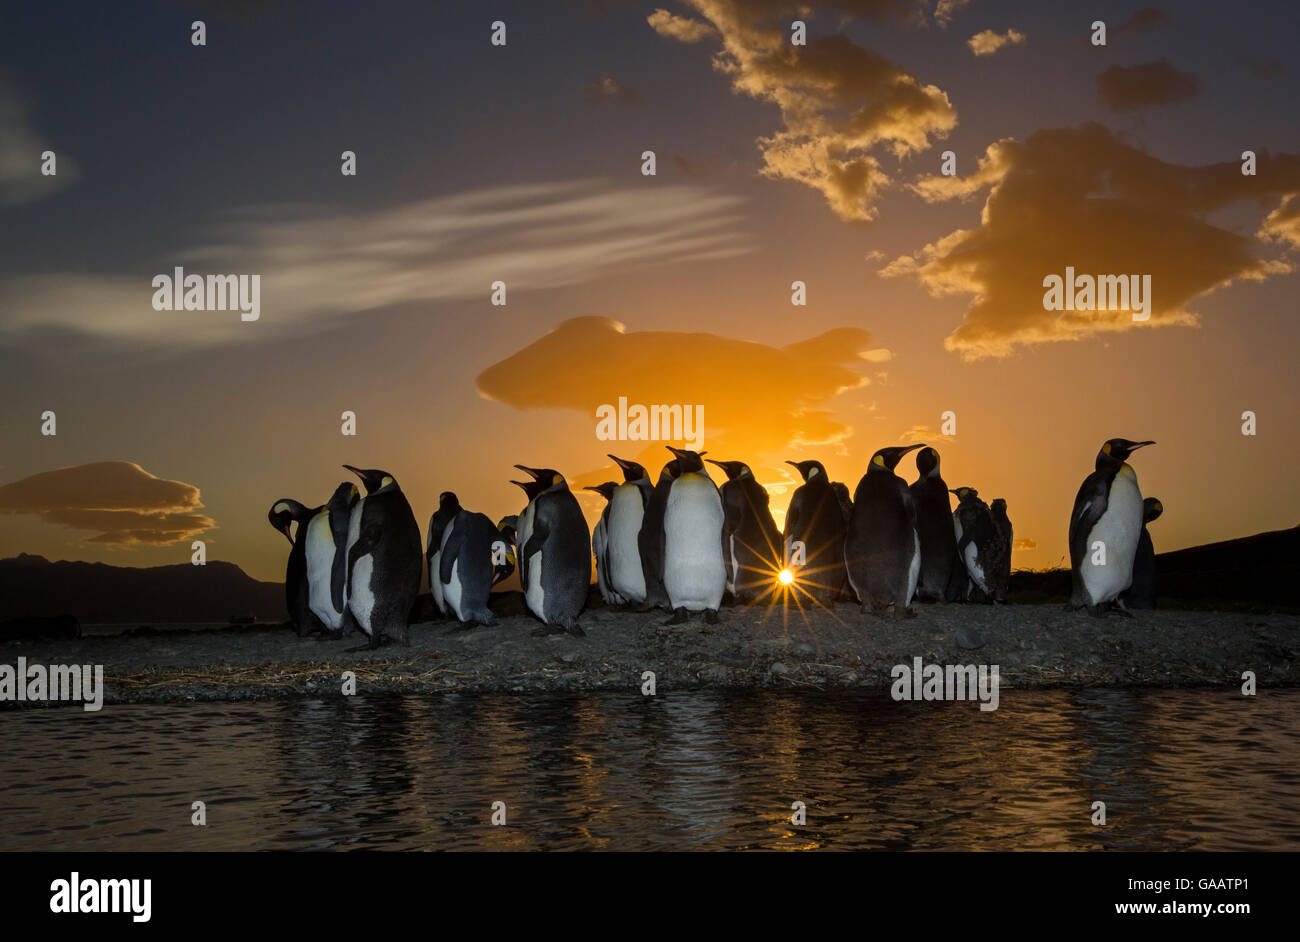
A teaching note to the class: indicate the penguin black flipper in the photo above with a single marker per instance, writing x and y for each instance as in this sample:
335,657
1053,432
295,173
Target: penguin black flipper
338,520
536,539
1089,506
450,550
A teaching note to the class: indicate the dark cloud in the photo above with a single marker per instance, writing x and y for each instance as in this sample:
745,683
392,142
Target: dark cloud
1123,88
119,499
606,89
1085,197
1144,20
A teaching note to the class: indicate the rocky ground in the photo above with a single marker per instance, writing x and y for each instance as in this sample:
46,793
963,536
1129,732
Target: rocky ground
1034,646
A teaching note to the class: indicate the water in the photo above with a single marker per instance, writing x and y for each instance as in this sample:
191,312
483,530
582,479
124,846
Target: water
1206,770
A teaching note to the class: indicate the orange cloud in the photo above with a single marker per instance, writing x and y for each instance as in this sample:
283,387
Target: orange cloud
120,499
757,400
1085,197
988,42
838,100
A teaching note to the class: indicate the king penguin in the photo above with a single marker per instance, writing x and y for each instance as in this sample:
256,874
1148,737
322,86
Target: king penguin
814,534
937,582
466,569
554,553
694,574
1142,593
751,541
882,551
650,538
972,525
600,545
999,572
297,595
626,513
327,558
448,507
384,558
1105,526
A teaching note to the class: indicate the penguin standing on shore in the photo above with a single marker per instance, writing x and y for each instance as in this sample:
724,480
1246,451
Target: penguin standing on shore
972,525
555,552
650,539
999,557
600,545
694,574
882,551
1142,593
466,572
505,548
626,514
814,530
934,526
1105,526
384,558
448,507
751,540
284,513
327,558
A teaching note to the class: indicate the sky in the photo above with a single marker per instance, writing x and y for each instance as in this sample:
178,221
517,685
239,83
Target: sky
475,163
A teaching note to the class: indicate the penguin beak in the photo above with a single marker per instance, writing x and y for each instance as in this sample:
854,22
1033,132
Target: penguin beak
527,471
285,530
1136,445
911,448
678,452
619,461
521,485
793,464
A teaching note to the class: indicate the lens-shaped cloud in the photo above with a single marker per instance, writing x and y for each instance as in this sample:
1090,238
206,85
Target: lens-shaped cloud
119,500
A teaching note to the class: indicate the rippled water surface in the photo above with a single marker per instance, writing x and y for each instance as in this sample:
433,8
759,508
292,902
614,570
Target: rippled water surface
1207,770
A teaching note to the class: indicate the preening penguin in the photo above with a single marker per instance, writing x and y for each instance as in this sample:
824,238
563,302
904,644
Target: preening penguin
327,557
554,552
815,521
999,556
694,574
600,545
650,538
448,507
751,542
384,558
938,582
1105,526
284,513
503,558
972,525
466,570
882,551
1142,593
626,513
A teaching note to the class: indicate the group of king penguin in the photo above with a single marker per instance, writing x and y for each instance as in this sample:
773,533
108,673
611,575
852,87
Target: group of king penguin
682,544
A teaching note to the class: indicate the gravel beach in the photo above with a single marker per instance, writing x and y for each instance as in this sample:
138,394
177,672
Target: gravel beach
1033,645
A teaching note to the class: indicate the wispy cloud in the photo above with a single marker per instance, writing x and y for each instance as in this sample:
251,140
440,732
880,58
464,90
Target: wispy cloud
317,261
21,146
988,42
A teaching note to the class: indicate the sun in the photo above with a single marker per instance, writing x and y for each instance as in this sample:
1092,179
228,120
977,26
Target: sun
786,577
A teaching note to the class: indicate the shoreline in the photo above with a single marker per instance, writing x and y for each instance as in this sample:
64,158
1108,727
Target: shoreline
1034,646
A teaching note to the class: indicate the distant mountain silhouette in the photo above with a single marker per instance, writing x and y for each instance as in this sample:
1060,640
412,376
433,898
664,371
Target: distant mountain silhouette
1252,573
100,593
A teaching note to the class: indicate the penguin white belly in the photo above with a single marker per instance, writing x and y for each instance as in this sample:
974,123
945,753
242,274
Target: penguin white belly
598,547
530,570
914,571
362,597
320,561
695,575
453,591
974,570
626,577
1118,530
734,569
436,587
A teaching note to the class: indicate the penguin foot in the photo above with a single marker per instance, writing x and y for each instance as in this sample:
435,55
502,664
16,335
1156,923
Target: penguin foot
711,616
679,617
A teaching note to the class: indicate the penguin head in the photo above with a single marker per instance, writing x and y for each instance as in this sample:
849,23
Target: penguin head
671,471
632,471
809,470
999,506
733,469
531,489
284,512
964,493
547,478
506,527
449,502
927,462
373,478
605,490
345,497
1151,509
688,462
887,459
1118,450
